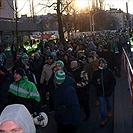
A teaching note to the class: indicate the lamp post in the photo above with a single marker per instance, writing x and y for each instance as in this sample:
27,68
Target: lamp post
93,21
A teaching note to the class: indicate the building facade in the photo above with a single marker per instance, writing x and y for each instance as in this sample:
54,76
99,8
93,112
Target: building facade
6,9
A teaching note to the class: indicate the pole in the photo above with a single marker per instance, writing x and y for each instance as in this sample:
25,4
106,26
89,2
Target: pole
93,20
16,21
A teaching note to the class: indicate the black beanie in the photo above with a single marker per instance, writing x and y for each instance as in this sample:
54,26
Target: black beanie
20,71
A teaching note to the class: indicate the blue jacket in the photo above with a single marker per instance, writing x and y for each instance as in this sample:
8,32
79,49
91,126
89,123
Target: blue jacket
67,108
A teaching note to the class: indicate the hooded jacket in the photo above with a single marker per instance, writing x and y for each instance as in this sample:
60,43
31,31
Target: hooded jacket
67,108
24,92
20,115
104,81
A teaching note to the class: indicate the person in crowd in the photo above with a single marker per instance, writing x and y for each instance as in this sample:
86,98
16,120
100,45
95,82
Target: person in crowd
66,61
22,91
51,90
23,62
16,118
14,51
67,108
51,85
108,56
117,49
36,68
45,76
82,90
104,81
5,80
2,56
93,66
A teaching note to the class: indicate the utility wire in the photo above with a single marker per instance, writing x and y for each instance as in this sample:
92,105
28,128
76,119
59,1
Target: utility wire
13,7
23,6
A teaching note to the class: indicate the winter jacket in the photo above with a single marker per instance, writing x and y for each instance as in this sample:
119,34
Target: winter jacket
104,81
36,68
24,92
46,72
67,109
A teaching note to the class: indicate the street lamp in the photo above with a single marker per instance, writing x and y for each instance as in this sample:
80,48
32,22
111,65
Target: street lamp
93,21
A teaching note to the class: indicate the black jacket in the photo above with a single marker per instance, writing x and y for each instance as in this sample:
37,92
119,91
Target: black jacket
104,81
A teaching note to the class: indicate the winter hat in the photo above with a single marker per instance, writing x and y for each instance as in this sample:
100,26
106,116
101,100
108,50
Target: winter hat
36,54
19,114
49,57
102,60
59,76
20,71
61,63
83,58
25,56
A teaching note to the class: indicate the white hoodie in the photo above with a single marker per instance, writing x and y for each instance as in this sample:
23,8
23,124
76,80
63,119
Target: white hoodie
19,114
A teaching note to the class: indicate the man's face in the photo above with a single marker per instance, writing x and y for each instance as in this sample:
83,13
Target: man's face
101,65
10,127
26,60
59,67
17,77
49,61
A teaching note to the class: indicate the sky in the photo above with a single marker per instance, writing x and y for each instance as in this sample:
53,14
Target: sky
23,6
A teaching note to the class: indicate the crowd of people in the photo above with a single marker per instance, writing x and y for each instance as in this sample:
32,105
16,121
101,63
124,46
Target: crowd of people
59,77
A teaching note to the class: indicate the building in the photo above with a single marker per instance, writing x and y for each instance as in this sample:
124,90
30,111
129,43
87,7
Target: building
6,9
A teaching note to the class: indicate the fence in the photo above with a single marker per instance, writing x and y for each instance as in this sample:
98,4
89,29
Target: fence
129,73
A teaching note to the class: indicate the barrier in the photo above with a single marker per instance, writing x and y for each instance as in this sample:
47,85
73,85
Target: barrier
129,73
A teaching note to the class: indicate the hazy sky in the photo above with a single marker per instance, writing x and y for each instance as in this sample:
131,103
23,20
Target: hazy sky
24,5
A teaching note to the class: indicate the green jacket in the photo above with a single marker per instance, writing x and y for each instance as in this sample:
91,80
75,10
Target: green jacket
25,89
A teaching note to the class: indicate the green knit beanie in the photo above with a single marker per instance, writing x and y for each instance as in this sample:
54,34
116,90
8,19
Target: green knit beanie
25,56
61,63
36,54
59,76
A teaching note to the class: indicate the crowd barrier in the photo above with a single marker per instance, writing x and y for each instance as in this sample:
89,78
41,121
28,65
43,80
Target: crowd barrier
129,73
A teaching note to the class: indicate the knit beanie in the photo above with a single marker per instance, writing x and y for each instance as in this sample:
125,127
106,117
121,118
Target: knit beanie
20,71
36,54
61,63
102,60
25,56
59,76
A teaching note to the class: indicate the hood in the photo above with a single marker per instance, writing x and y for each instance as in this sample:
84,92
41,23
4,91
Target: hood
19,114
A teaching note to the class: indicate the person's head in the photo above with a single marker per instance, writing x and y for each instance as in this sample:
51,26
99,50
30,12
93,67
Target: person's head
16,118
25,58
50,59
83,59
18,74
59,77
66,57
36,55
90,58
60,65
73,65
102,63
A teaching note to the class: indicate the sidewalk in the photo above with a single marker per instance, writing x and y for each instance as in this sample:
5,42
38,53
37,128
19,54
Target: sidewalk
122,106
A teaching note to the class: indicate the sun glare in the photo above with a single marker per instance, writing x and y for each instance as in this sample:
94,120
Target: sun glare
81,4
